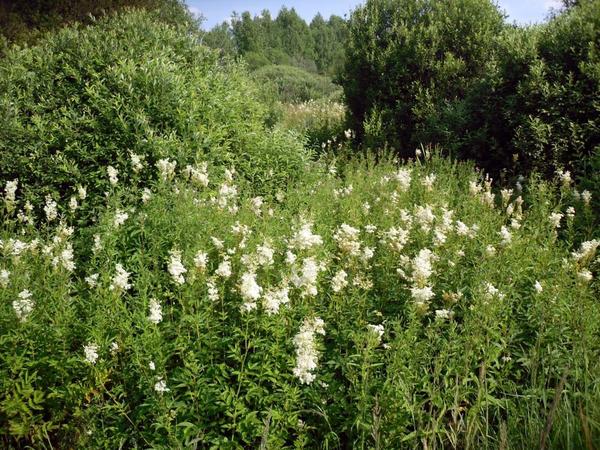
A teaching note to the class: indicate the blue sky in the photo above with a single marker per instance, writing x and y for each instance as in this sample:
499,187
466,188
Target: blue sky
216,11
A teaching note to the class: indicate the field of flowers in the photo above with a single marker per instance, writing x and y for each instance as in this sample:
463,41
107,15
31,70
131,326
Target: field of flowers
373,305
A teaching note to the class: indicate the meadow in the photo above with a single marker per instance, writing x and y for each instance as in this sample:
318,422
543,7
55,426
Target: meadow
178,272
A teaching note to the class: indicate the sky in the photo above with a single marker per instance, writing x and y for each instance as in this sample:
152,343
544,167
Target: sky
216,11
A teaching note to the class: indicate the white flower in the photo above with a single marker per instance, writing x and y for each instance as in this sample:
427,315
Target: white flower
370,229
425,217
396,238
224,269
428,181
256,204
4,277
274,298
290,258
198,175
491,291
443,314
213,292
92,280
112,175
91,352
166,168
304,238
24,305
264,255
555,219
73,205
155,315
585,275
347,239
249,288
570,213
161,386
176,267
422,266
66,258
218,243
378,330
505,235
586,196
422,295
201,260
538,287
307,357
10,190
146,195
120,217
137,163
50,209
114,348
82,192
307,277
564,176
339,281
587,251
151,365
403,177
121,279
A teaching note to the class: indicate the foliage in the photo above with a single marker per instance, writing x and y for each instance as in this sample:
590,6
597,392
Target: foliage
187,352
286,40
290,84
25,21
84,99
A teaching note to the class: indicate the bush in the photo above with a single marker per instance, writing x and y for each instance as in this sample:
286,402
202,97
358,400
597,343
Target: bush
451,317
87,98
291,84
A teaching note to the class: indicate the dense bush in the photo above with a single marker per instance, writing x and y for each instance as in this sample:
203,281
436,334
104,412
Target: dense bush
291,84
407,58
520,99
450,318
88,98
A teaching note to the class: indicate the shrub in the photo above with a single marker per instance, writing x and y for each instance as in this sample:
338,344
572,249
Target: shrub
87,98
451,317
293,85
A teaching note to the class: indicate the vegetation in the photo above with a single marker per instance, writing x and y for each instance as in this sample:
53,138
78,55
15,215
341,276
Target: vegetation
189,260
460,77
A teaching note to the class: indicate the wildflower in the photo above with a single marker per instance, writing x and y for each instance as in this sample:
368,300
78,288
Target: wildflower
585,275
264,255
66,258
224,269
586,196
347,239
213,292
422,266
505,235
4,277
307,277
92,280
307,357
304,238
219,244
256,204
570,213
152,366
136,162
339,281
91,352
161,386
114,348
120,218
166,168
377,330
422,295
370,229
23,306
444,314
73,205
274,298
155,315
97,244
586,251
121,279
146,195
290,258
112,175
425,217
538,287
201,260
10,190
82,192
428,181
564,176
198,175
396,238
367,254
176,267
250,290
491,291
555,219
50,209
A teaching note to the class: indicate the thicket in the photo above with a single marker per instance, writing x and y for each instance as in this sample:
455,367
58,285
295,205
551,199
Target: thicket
125,94
455,74
25,21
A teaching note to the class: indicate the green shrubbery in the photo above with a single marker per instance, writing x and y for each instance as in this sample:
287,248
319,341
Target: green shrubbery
523,99
449,316
87,98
